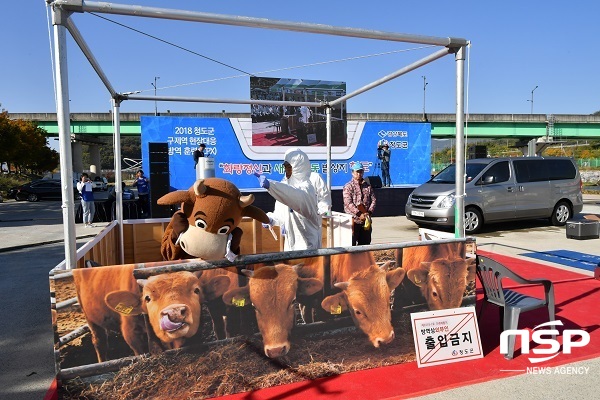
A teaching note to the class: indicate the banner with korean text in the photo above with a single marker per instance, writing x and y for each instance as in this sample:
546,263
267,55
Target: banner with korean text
446,336
229,141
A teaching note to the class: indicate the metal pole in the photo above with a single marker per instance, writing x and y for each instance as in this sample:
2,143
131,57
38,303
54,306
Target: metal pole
424,90
426,60
154,85
532,98
459,211
329,220
116,106
64,136
235,20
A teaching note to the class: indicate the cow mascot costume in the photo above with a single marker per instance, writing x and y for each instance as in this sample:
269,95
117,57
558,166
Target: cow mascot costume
206,227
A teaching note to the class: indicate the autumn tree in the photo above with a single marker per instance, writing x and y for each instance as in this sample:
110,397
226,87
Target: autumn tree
23,146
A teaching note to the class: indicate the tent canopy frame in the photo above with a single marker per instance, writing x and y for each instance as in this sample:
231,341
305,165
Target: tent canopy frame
62,22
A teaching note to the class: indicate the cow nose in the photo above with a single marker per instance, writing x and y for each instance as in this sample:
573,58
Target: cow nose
176,313
380,341
274,352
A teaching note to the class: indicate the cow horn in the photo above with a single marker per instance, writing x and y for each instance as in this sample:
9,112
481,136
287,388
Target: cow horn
298,267
199,187
245,201
386,266
248,272
142,282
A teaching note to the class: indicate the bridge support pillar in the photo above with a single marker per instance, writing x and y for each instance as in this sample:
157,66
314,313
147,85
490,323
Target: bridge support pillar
532,148
95,166
77,157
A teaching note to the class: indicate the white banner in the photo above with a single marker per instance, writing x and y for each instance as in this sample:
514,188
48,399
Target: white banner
446,336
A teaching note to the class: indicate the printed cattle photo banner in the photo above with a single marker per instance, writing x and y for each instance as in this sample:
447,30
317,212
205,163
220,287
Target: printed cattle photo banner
219,331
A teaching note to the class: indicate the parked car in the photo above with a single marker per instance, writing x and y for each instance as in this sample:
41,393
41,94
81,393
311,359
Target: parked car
100,183
501,189
43,189
128,194
11,193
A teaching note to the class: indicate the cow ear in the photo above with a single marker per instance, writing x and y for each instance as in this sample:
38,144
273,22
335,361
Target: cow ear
309,286
335,304
216,287
124,302
255,213
198,273
395,277
237,294
419,275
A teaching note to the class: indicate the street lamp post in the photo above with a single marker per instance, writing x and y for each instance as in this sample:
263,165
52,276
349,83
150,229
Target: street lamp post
424,87
536,86
154,85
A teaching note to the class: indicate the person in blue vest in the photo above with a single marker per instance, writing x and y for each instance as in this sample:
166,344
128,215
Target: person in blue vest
87,200
143,187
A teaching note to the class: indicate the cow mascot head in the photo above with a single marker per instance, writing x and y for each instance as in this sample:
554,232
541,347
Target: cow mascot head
206,226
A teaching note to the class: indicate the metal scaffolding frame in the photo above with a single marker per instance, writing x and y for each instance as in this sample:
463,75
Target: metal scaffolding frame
62,22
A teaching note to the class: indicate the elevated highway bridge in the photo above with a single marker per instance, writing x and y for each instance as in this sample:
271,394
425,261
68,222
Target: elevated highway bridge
534,131
555,127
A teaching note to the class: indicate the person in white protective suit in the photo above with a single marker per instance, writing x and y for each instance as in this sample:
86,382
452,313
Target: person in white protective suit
323,195
296,211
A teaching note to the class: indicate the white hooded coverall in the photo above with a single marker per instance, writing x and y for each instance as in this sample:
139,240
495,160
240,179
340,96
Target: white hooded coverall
296,211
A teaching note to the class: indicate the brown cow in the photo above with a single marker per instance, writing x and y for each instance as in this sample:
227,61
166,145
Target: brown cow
365,287
92,285
228,320
366,291
111,300
206,227
439,271
272,291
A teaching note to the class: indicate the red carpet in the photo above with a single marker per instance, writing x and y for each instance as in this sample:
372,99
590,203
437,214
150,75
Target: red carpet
576,295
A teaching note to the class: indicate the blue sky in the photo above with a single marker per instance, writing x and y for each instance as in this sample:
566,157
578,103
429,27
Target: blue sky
516,45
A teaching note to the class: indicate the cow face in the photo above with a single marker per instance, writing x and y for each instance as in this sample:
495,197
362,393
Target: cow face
443,281
213,207
366,295
272,290
172,303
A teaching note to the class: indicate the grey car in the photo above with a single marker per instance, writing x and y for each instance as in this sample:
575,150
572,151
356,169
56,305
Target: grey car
501,189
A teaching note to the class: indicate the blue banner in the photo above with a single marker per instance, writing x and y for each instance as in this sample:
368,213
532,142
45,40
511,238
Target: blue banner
229,142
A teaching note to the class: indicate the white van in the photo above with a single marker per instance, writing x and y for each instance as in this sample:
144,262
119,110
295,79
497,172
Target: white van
501,189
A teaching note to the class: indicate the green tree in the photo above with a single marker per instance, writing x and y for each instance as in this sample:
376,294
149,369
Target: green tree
23,146
8,136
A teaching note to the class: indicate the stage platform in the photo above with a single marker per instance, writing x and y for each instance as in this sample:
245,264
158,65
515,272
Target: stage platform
390,200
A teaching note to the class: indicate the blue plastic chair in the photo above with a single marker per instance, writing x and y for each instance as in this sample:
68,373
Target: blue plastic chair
512,303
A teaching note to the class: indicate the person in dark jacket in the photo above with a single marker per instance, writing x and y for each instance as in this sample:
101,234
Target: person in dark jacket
199,153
